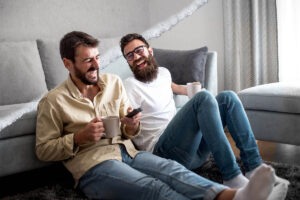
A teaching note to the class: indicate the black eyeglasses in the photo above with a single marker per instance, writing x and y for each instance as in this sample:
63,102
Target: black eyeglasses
138,50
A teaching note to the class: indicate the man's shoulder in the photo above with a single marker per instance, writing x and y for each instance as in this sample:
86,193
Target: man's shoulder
130,81
56,93
163,70
108,78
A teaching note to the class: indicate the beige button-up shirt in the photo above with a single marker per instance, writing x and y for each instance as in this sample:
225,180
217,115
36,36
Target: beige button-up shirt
63,111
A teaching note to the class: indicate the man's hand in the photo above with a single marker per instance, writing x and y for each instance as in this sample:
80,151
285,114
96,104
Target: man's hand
93,131
132,123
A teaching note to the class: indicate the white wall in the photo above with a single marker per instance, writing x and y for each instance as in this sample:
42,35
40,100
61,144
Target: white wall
203,28
32,19
160,10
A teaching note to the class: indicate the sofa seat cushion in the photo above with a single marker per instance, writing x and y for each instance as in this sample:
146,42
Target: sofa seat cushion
24,125
275,97
22,76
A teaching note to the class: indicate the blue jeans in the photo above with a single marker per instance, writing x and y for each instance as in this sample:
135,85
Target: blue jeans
146,176
197,130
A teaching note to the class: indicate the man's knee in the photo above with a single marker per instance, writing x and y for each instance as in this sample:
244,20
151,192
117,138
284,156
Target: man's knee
205,98
227,96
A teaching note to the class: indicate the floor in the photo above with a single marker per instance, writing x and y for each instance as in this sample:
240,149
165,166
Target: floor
275,152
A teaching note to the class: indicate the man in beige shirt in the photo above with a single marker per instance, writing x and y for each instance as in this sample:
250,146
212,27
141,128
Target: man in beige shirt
70,129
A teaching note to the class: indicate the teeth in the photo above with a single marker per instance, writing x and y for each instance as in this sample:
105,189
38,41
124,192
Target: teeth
141,63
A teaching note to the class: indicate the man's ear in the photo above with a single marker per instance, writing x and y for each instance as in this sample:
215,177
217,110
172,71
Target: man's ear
68,63
151,50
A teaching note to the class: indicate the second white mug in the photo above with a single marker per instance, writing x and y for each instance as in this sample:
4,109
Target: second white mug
193,88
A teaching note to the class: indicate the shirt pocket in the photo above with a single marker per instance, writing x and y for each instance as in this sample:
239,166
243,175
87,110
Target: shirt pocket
112,108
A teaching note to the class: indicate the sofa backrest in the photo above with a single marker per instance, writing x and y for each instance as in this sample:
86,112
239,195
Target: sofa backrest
29,69
55,72
121,68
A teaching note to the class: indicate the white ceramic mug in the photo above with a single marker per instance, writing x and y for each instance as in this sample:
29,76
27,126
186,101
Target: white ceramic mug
193,88
111,126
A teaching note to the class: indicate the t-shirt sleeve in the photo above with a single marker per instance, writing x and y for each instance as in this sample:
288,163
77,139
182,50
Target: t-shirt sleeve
132,93
166,73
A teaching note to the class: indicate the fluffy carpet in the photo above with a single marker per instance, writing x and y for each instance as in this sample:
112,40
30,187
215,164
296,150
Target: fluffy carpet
55,182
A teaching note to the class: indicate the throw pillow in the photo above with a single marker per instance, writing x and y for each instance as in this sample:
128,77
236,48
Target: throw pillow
184,65
55,71
119,67
22,77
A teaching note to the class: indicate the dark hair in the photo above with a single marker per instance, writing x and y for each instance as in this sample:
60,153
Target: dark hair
129,37
72,40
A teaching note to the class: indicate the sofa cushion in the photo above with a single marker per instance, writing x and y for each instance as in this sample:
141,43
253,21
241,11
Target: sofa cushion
184,65
275,97
106,44
55,71
24,125
119,67
22,77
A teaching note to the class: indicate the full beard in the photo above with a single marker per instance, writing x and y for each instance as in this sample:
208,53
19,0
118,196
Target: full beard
82,76
148,73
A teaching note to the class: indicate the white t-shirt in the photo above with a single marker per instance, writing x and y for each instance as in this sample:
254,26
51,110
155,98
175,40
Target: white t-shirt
156,100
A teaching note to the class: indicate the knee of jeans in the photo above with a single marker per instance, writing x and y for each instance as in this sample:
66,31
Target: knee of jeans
95,171
205,98
226,96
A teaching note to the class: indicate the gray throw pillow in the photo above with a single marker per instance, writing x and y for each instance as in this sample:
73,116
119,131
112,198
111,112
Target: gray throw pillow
184,65
22,77
55,71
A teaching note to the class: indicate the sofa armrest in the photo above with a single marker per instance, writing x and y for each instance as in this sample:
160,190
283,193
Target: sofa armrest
211,79
211,73
180,100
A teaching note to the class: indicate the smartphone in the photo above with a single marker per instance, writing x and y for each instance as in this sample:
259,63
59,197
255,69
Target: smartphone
134,112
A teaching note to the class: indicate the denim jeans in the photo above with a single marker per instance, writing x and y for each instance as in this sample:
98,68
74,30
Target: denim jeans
146,176
197,130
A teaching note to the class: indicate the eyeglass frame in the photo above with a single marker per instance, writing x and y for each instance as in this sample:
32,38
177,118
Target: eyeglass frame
134,51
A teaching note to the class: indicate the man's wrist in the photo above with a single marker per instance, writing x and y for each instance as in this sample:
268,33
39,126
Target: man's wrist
76,138
131,130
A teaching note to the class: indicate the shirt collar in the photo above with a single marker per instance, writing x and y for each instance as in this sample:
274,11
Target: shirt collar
75,92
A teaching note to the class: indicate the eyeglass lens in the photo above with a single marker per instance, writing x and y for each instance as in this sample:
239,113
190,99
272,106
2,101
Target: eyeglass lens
139,50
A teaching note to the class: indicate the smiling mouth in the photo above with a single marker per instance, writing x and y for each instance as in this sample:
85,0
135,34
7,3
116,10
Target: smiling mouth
92,74
142,65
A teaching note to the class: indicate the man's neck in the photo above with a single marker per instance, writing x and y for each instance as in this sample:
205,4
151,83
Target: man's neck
87,91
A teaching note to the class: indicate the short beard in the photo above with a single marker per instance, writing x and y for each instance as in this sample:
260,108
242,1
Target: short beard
82,77
147,74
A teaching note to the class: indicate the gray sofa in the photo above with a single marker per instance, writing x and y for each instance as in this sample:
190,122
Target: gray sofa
28,70
274,111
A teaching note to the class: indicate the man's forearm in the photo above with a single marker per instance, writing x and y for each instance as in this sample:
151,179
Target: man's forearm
179,89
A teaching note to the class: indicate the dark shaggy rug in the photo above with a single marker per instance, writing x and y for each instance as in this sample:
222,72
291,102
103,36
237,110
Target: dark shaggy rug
55,182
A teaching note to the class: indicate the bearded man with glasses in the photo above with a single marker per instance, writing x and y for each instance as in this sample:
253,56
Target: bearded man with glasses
196,131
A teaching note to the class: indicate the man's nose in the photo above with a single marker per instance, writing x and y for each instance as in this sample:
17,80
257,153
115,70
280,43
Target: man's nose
96,63
136,56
